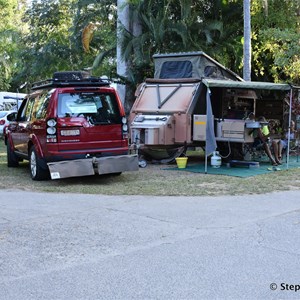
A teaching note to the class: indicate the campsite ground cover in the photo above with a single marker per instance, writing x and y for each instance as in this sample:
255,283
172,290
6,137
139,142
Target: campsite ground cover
152,180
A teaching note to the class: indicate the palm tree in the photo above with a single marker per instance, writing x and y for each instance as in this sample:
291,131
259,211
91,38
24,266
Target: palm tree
167,27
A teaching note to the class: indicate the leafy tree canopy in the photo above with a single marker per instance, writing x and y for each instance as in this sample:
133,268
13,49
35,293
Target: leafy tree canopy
182,26
48,37
53,40
10,32
276,40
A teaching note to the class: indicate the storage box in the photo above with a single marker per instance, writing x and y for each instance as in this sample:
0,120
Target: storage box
199,128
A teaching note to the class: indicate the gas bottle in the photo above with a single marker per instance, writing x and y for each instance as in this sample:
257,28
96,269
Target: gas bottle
216,160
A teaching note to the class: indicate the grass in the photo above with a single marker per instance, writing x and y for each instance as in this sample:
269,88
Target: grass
152,180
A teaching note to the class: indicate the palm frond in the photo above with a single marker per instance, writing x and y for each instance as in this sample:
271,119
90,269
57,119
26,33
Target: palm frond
100,57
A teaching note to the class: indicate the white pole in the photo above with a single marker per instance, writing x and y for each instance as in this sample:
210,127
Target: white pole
289,129
247,41
122,67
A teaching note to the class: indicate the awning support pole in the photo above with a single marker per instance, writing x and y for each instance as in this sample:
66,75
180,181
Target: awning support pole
289,129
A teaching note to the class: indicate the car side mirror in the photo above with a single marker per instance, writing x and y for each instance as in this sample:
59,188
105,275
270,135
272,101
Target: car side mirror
12,117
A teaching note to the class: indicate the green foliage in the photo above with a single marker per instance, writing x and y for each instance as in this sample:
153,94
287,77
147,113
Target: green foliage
10,32
103,15
282,48
47,37
45,45
182,26
53,40
276,40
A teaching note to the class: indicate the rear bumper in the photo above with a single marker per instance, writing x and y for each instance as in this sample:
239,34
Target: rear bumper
54,155
92,166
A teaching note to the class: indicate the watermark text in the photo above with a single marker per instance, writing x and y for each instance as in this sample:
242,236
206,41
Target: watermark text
284,287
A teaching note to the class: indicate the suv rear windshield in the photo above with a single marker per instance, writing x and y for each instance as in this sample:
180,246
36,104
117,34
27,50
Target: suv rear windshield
98,108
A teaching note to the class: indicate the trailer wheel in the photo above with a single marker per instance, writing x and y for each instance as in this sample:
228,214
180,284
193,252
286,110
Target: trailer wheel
165,155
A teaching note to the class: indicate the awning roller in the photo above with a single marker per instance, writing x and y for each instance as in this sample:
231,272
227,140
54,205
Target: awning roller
255,85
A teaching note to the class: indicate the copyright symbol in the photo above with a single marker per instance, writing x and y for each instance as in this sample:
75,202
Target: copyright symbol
273,286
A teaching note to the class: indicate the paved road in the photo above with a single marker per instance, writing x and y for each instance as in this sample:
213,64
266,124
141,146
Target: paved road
64,246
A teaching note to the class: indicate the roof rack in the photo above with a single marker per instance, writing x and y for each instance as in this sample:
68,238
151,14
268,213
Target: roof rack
69,79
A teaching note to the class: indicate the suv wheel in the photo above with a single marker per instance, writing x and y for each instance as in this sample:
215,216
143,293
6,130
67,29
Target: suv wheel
36,171
12,159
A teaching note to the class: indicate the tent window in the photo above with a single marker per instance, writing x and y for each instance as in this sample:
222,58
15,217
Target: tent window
176,69
210,71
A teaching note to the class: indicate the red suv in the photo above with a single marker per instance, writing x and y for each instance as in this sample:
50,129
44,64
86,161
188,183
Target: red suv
70,125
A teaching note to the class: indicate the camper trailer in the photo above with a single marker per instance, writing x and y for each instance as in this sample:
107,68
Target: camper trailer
170,111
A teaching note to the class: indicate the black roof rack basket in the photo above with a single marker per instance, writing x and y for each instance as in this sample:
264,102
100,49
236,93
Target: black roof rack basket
68,79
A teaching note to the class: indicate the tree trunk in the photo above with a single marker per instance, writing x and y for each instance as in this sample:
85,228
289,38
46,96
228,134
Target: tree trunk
122,65
133,26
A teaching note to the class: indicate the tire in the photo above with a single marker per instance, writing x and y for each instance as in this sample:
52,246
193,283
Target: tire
12,159
36,170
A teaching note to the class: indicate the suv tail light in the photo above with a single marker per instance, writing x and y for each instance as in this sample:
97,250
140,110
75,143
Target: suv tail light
2,122
51,131
124,128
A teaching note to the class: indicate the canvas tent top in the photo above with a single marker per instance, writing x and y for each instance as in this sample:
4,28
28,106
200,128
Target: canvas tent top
190,65
255,85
